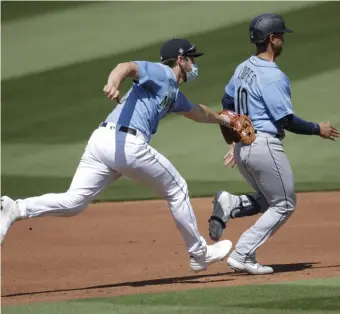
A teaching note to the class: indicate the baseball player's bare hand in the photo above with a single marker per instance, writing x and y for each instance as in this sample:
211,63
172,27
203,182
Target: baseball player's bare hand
328,131
112,92
229,158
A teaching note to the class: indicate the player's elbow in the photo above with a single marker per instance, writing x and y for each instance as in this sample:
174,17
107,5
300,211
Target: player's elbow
127,69
285,122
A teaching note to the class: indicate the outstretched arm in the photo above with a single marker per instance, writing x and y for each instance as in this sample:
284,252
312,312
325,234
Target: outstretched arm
297,125
203,114
277,96
198,113
117,76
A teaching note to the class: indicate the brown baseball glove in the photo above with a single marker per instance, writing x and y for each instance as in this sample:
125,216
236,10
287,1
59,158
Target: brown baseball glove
240,130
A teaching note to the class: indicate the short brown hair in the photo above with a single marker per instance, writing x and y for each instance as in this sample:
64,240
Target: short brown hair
170,63
260,47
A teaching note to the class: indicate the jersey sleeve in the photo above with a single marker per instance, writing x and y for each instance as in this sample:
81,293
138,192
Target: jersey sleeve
230,88
277,97
228,102
151,75
182,104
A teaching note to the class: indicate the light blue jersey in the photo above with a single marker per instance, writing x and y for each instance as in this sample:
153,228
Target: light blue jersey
261,91
150,98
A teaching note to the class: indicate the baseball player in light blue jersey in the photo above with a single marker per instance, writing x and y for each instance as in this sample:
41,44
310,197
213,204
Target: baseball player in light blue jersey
261,90
120,147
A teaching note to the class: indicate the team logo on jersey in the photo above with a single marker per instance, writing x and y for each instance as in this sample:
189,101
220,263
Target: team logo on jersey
168,99
165,102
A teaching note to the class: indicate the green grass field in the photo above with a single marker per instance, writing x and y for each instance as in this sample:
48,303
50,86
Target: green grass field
303,297
51,104
55,60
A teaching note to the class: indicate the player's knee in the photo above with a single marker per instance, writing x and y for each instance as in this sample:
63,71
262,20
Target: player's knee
177,191
286,204
291,202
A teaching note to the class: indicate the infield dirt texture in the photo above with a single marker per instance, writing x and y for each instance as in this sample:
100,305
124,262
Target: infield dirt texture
134,247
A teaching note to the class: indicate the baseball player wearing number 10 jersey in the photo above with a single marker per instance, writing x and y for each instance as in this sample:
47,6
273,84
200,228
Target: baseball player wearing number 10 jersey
261,90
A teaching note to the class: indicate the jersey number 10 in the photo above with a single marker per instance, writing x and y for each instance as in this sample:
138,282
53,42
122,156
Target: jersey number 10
242,101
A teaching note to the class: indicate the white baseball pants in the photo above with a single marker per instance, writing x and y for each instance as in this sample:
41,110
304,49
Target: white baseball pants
109,155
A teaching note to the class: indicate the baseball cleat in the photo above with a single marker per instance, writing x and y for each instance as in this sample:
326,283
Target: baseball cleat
9,213
214,253
251,267
222,207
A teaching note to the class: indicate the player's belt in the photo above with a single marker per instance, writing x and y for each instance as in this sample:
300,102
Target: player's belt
126,129
122,128
278,135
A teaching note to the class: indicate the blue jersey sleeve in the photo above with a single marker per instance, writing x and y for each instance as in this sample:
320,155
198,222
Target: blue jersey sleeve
151,75
182,104
277,98
230,88
228,97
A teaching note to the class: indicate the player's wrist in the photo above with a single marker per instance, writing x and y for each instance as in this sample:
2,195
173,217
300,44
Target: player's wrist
114,82
317,129
224,120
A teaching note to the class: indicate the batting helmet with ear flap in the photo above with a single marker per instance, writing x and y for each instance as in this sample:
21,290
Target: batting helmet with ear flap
264,25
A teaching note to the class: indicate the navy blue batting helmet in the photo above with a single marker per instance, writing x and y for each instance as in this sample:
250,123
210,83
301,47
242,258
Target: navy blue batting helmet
264,25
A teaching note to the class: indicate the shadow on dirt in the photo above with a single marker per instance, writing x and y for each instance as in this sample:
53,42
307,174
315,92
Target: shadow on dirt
142,283
195,279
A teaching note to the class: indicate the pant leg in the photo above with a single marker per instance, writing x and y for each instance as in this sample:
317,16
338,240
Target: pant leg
253,202
90,178
153,169
269,167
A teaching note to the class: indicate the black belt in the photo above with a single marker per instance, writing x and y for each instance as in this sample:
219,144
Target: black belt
278,135
122,128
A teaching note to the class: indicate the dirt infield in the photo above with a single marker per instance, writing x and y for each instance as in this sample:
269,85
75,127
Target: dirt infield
134,247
